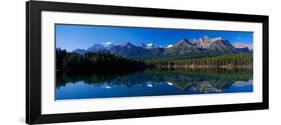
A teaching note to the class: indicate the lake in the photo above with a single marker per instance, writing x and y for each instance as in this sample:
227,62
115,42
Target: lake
152,82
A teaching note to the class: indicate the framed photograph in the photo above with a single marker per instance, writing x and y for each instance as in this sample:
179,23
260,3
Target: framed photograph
95,62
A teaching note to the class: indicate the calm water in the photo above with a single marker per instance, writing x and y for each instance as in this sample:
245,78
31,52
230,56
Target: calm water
152,82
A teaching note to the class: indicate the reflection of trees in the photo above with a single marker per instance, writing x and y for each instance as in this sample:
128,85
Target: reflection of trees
63,78
203,80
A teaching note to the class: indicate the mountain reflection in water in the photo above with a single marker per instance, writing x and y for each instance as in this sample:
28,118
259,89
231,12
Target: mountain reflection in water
153,82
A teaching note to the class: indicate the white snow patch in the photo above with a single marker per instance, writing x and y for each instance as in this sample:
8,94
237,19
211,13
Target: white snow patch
107,43
170,46
149,85
169,83
150,44
108,87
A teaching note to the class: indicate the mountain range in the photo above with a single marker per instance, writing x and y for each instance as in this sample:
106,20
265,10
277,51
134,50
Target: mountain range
184,48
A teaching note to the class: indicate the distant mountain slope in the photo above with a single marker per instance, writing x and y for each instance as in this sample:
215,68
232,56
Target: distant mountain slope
222,46
149,46
183,48
96,48
128,50
243,45
204,46
80,51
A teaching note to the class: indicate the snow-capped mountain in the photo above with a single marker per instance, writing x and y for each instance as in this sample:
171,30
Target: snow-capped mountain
108,45
205,42
221,46
204,46
149,45
181,48
243,45
128,50
170,46
96,48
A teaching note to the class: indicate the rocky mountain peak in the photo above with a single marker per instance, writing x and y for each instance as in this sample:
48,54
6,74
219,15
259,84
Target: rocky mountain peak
205,42
149,45
183,42
128,44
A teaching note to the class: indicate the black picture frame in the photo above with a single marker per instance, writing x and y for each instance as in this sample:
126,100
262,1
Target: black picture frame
33,61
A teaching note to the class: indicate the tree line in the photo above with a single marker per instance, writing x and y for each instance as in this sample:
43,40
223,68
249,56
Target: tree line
245,59
93,61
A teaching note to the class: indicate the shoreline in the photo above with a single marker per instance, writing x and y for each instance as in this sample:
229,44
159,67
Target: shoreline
206,66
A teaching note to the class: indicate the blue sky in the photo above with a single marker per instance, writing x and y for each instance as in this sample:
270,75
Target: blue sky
71,37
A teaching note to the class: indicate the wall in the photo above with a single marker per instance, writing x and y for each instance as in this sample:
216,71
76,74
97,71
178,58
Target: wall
12,67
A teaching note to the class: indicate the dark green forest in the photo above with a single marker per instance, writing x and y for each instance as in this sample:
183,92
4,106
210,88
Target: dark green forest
229,60
67,61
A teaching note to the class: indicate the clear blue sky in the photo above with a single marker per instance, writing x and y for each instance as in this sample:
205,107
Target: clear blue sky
71,37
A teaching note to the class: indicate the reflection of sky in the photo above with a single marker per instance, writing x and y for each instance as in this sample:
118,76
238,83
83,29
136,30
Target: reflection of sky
71,37
80,90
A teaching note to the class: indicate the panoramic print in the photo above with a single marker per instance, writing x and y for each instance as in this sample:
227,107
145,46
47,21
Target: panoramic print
108,61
